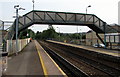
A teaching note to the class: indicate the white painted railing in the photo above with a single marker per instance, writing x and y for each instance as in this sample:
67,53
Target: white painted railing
11,45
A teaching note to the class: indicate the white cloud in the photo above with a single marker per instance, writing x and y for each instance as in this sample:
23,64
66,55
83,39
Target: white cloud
14,0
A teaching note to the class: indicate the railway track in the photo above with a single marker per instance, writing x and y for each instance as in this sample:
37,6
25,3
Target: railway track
68,68
91,66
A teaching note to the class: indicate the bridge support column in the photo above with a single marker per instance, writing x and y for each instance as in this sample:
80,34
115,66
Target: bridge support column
104,34
100,38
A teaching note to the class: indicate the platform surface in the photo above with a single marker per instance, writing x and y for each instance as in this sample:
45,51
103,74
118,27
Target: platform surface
33,61
48,64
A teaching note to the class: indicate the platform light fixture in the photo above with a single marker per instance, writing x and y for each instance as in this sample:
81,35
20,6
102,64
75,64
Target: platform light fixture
87,8
33,4
17,7
59,32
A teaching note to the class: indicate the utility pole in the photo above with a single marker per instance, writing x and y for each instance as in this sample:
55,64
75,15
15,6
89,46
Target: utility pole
33,4
59,33
17,8
87,8
77,39
80,37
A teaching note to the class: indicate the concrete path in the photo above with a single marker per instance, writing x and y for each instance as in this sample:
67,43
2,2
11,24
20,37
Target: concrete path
33,61
25,63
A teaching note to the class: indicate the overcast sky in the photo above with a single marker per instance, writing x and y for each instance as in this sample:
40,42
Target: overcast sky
107,10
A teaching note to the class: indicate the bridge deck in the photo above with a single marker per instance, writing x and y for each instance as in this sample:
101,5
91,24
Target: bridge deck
99,50
33,61
59,18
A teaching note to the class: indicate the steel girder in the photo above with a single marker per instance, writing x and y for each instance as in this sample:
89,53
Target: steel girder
60,18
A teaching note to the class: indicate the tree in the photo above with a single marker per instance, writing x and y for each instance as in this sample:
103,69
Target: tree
46,34
27,33
49,34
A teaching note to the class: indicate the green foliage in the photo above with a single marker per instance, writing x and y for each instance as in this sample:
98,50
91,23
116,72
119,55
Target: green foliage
46,34
51,34
28,33
38,35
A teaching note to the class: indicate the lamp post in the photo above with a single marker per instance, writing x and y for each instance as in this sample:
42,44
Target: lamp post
33,4
77,38
59,33
80,37
87,8
17,8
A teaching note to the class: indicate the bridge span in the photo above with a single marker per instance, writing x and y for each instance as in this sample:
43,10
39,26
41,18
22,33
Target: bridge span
60,18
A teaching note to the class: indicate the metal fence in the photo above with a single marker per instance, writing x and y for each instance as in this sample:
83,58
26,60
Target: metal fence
3,59
11,45
0,47
113,40
8,46
1,34
113,37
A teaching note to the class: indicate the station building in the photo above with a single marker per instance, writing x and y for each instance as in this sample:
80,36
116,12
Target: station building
91,38
112,39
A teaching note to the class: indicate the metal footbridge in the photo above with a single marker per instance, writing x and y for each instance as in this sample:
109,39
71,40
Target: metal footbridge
60,18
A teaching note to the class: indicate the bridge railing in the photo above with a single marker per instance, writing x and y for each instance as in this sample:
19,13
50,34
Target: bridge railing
48,17
62,18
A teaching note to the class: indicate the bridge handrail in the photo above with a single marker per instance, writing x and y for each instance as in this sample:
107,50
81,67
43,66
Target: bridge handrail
99,24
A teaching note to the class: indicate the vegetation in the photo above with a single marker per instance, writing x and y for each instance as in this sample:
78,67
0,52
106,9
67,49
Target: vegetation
51,34
65,37
28,33
47,34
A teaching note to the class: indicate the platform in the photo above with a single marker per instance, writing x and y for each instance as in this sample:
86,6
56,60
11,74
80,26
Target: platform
33,61
99,50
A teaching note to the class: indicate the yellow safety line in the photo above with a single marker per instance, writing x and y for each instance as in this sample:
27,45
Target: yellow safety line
55,63
42,62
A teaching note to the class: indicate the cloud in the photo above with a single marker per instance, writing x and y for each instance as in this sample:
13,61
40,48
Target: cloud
14,0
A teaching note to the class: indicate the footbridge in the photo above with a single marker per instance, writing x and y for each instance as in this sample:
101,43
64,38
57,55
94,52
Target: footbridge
60,18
